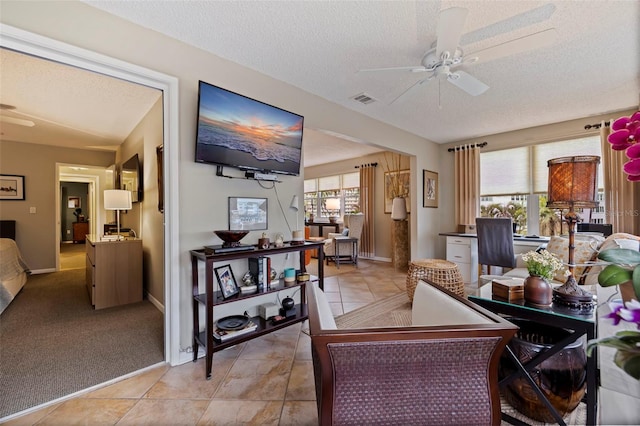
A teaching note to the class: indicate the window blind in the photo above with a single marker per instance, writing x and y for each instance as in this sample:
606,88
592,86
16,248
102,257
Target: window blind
329,183
524,170
504,172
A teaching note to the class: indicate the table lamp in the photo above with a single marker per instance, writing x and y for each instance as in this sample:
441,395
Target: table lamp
332,205
297,236
117,199
572,184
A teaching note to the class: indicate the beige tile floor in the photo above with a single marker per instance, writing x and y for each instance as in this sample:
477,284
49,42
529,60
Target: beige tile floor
266,381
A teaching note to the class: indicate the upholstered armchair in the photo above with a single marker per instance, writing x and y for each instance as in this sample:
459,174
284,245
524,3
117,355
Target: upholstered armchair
443,369
353,223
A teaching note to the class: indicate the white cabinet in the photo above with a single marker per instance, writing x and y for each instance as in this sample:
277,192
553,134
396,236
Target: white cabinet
463,251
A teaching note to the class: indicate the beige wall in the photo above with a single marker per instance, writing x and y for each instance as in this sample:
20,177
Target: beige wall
144,217
36,233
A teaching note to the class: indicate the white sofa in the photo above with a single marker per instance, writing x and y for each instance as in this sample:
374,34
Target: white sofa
587,248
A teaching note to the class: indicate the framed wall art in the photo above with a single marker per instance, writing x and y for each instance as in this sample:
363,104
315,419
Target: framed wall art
11,187
227,281
397,184
247,214
430,189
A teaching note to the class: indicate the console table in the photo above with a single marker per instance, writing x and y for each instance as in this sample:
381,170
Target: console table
210,298
321,225
580,324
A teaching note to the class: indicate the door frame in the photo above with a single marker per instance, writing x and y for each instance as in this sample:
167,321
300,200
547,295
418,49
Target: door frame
37,45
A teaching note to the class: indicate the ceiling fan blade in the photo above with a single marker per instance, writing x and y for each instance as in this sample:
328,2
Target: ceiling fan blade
467,82
450,24
415,68
412,88
18,121
522,20
518,45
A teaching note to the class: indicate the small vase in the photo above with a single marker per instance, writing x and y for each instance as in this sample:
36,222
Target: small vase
537,290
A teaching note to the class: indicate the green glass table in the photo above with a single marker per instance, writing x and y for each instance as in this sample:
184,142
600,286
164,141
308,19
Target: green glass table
578,322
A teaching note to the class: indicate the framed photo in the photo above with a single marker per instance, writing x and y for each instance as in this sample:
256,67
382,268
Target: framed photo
227,281
11,187
247,214
430,189
73,202
399,179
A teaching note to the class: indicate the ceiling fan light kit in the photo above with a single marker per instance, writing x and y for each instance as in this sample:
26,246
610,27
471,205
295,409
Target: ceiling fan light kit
446,55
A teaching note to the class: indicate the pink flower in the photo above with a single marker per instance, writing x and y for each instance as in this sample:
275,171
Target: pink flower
625,137
615,307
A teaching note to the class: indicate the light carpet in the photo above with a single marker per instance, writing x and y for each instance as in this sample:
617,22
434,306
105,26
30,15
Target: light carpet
53,343
395,311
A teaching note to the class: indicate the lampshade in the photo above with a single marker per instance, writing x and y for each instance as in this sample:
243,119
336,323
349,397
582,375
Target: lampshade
332,204
573,182
117,199
294,203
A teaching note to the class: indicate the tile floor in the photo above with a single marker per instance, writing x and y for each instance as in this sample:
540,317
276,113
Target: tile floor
266,381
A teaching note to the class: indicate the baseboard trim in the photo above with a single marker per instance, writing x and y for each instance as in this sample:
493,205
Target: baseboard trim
155,302
43,271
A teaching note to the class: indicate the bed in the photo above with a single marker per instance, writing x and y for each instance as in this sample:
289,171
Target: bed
13,269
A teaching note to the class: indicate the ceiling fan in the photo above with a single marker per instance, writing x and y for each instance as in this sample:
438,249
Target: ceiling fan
446,56
13,120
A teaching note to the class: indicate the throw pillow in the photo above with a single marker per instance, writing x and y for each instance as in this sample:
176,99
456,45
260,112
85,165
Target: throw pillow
584,252
345,232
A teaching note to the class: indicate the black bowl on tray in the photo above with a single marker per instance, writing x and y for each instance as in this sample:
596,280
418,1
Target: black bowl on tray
231,238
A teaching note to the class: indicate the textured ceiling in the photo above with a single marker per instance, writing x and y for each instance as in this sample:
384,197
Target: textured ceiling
592,67
69,106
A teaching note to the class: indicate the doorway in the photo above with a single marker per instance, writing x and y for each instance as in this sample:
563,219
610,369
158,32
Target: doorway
32,44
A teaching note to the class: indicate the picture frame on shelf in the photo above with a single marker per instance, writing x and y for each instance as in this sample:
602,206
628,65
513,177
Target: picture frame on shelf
429,189
11,187
248,213
402,180
226,281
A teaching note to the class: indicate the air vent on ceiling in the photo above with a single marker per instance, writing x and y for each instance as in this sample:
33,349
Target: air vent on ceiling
363,98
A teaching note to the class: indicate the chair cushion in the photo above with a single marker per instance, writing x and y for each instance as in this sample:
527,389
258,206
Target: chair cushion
345,232
432,307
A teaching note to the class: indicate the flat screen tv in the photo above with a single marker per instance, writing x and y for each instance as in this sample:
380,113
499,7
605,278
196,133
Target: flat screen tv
237,131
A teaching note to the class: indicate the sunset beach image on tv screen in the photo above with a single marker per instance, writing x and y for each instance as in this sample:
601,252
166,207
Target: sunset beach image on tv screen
242,132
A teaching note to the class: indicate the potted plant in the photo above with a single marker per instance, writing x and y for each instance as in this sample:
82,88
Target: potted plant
627,342
624,271
541,267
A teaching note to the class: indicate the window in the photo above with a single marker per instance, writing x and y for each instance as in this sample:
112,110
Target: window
525,189
346,187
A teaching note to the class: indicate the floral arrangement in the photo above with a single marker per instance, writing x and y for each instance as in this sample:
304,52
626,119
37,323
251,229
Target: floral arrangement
542,264
625,135
627,342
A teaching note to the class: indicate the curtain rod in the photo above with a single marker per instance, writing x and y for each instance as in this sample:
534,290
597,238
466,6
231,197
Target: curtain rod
596,126
367,165
462,147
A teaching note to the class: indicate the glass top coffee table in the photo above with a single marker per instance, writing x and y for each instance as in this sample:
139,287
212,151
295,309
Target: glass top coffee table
578,322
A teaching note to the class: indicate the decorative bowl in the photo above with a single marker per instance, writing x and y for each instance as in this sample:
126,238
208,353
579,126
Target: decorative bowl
231,238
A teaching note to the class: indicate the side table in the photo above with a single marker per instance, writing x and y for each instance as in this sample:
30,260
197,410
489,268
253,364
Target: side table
579,323
441,272
353,256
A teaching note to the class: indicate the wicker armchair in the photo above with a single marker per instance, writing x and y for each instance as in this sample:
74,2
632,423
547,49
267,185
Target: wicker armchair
352,222
441,370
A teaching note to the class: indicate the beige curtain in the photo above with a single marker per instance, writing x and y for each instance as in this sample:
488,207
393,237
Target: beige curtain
467,184
622,197
367,191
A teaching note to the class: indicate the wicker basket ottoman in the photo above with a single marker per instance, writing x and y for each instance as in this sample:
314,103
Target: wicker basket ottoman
440,272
